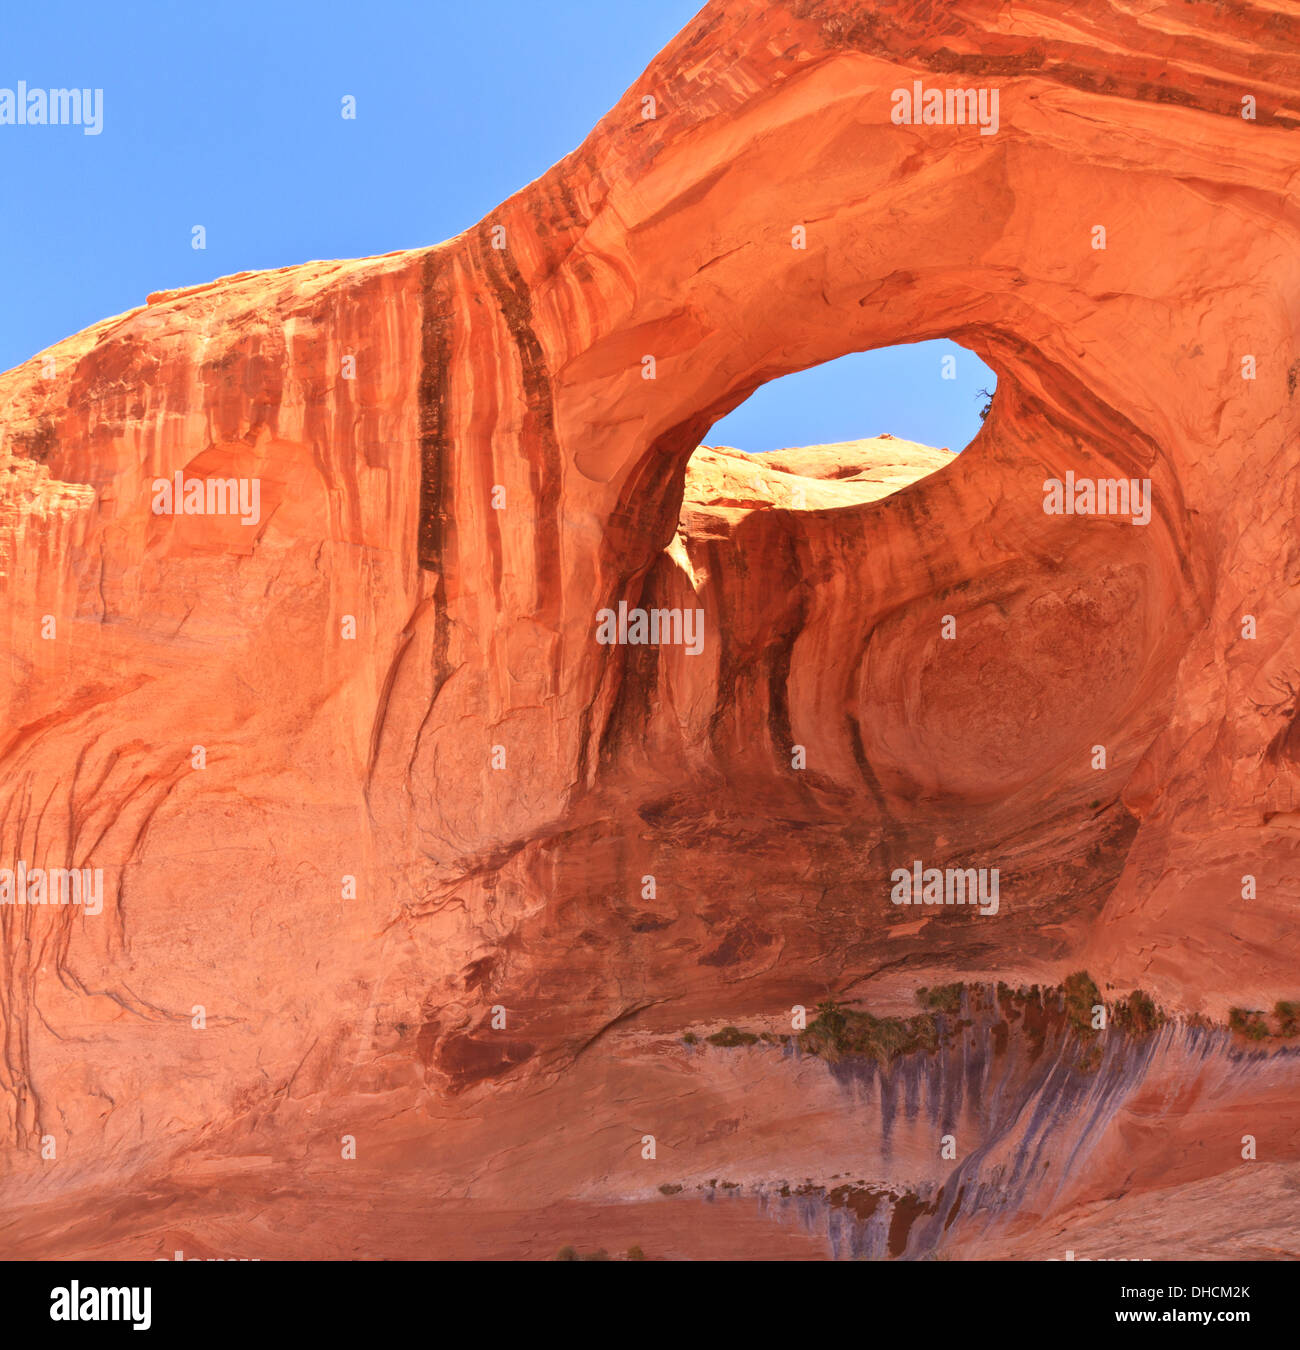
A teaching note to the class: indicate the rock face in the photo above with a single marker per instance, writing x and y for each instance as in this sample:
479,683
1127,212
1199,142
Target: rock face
412,887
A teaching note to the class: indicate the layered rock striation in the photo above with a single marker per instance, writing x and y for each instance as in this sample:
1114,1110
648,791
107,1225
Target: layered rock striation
394,848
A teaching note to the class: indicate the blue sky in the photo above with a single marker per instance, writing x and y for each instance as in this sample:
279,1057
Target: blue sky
228,116
902,390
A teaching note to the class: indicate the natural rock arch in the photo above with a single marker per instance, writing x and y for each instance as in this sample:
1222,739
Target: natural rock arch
519,368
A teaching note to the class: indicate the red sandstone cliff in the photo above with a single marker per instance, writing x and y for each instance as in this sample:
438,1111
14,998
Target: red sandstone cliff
394,678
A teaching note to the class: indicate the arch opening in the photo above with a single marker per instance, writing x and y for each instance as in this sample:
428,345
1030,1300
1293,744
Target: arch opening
934,393
844,433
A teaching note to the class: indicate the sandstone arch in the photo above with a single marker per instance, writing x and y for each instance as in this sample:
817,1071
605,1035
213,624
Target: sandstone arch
520,368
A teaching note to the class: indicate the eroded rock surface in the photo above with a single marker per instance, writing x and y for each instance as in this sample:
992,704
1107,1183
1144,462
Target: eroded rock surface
359,775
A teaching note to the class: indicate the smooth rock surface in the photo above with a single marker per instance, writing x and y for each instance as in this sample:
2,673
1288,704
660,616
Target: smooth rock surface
427,792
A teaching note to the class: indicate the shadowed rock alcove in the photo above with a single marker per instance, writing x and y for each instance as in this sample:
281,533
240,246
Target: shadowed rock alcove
457,880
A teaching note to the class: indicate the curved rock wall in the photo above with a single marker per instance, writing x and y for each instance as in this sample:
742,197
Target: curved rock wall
359,773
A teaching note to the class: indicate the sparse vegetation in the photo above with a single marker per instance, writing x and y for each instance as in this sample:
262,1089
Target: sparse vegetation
1253,1023
1248,1022
1030,1013
729,1037
1137,1014
600,1254
944,998
837,1031
1081,997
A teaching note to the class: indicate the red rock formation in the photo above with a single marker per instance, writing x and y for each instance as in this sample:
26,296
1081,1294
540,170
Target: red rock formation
426,792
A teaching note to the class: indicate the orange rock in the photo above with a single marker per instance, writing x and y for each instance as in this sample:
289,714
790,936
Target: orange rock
394,849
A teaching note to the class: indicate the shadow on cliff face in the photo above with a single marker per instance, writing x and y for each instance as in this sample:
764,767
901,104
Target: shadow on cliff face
603,837
814,718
